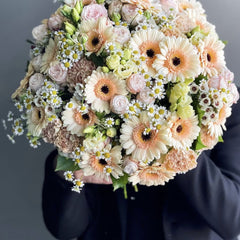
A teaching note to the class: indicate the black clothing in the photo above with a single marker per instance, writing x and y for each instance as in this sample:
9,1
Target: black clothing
203,204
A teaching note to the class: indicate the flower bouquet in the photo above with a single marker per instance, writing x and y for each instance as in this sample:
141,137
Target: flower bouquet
127,90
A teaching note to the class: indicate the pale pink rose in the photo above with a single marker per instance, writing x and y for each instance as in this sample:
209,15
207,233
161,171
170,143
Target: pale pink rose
119,104
221,81
94,11
114,7
168,4
55,22
122,34
40,32
135,83
144,97
58,73
36,81
233,89
36,63
129,166
130,14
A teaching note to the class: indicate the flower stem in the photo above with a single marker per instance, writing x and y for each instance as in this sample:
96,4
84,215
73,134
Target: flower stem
125,191
135,188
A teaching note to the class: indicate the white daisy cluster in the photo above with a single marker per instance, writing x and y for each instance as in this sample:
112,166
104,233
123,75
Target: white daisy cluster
127,89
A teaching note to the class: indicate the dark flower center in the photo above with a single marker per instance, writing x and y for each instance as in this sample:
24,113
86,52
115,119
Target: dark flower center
150,53
95,41
176,61
105,89
102,161
86,117
179,128
146,137
209,58
39,114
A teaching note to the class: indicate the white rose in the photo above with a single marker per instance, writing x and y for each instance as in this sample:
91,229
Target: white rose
36,81
70,3
40,32
129,166
36,63
58,73
144,97
122,34
55,22
119,104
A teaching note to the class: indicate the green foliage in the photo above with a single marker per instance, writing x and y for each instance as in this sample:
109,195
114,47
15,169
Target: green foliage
200,78
65,164
198,145
220,139
98,60
120,182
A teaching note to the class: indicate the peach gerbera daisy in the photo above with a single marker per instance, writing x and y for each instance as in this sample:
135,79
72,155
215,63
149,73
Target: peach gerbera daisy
206,138
216,128
212,55
143,146
147,43
151,176
36,121
103,166
101,87
76,121
178,59
180,161
98,33
183,131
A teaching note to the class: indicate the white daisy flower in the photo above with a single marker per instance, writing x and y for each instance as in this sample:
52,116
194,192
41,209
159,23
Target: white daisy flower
69,176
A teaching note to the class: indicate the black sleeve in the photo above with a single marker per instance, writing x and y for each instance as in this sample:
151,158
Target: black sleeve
66,213
213,188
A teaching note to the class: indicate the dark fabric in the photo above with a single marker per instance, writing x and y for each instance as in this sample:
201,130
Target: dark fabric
203,204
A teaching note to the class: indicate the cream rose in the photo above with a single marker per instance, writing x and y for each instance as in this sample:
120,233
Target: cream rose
136,83
36,63
114,7
36,81
58,73
122,34
168,4
94,11
119,104
130,14
40,32
55,22
144,97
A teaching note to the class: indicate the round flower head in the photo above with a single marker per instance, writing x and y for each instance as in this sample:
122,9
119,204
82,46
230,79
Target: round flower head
79,71
147,43
76,120
98,33
216,128
180,161
143,146
102,164
212,55
36,121
178,59
186,5
183,131
151,176
101,88
208,140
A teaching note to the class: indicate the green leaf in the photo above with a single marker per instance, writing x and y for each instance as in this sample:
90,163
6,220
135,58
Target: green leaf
65,164
198,145
100,115
220,139
199,78
200,113
120,182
